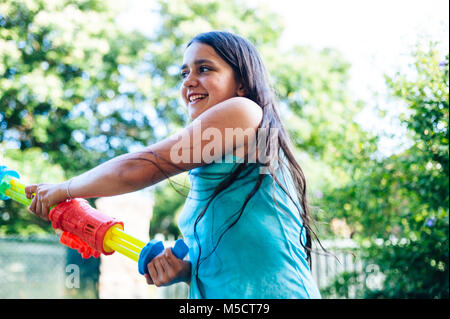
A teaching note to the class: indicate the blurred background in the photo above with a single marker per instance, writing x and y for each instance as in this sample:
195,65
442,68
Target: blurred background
362,89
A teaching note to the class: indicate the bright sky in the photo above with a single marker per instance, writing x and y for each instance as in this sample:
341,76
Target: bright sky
373,35
376,37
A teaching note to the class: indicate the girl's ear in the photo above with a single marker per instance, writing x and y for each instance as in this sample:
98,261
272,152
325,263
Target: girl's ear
241,90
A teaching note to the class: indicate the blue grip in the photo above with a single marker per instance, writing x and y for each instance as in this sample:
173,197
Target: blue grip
150,251
154,248
180,249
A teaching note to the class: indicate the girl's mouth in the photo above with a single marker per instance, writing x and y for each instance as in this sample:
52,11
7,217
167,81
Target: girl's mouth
195,98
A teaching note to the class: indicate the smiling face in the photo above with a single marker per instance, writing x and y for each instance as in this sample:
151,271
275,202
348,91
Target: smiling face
207,79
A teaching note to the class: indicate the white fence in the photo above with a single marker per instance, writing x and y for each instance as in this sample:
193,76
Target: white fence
325,266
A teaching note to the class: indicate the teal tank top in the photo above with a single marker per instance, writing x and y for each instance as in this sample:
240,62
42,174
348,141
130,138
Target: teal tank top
260,256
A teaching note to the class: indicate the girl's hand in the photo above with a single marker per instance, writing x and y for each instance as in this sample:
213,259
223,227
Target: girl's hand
46,196
166,269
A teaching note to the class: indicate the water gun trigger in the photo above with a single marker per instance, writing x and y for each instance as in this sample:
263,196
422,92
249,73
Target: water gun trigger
74,242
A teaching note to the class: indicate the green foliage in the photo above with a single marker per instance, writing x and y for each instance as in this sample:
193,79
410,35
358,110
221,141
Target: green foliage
427,96
32,165
62,81
415,268
402,200
170,196
345,285
314,85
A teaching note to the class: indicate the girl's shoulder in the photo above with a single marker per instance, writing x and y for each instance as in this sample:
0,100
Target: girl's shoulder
242,111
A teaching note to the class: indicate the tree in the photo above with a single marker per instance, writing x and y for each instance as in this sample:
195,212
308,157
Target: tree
64,86
399,204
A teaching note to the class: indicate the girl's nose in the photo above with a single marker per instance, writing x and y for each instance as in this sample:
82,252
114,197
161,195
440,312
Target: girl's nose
190,81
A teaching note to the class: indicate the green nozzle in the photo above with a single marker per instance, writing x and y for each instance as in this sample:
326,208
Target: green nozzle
10,187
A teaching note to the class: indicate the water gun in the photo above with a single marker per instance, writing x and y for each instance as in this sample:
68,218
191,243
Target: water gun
87,230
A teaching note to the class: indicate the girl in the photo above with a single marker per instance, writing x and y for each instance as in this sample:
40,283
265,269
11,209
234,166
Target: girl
246,218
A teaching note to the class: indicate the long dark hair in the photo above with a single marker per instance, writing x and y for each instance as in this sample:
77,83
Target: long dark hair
250,71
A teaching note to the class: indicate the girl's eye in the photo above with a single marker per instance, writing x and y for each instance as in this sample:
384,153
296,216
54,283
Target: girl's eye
201,69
